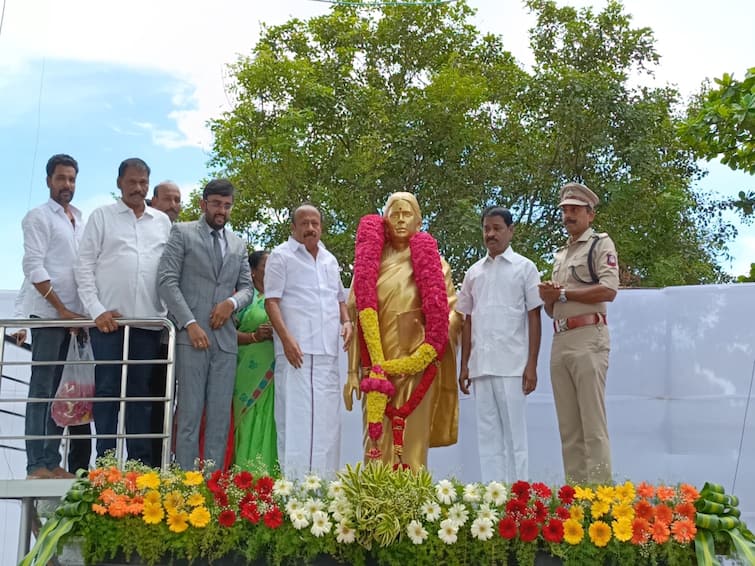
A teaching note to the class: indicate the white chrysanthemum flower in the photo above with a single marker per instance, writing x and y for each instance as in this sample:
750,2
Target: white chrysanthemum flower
472,493
458,514
485,512
445,492
312,482
495,493
340,509
447,531
344,533
416,532
320,523
482,529
299,519
335,489
293,506
282,488
431,511
312,506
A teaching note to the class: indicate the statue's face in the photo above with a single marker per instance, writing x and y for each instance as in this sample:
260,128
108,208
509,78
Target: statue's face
402,222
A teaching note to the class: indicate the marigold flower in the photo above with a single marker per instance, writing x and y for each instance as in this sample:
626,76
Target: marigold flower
99,509
152,498
625,492
599,508
150,480
622,529
193,478
663,513
573,531
173,501
199,517
645,490
665,493
152,513
600,533
577,513
661,532
177,522
584,493
644,509
686,510
688,493
684,531
640,530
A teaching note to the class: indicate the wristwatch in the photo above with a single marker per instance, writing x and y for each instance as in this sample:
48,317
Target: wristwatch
562,295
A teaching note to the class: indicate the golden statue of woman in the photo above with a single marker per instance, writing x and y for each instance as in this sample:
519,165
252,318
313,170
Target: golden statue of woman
430,419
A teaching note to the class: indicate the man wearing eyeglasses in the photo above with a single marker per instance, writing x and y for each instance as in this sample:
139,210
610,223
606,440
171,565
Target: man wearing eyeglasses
203,278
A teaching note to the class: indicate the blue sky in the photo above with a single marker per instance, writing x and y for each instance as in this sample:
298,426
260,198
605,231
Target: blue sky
78,79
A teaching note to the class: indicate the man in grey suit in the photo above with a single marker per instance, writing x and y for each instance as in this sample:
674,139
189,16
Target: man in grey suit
203,278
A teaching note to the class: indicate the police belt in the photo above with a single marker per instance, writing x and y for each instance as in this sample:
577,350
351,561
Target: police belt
564,324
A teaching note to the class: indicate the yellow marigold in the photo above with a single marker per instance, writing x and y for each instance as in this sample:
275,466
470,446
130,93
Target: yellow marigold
199,517
173,501
150,480
622,529
577,513
600,533
368,320
152,513
584,493
177,521
415,363
195,499
625,492
193,478
376,403
599,508
623,511
152,497
606,493
573,531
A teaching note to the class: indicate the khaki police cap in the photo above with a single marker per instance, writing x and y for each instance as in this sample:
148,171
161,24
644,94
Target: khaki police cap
579,195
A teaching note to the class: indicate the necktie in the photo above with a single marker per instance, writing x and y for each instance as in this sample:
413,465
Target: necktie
218,255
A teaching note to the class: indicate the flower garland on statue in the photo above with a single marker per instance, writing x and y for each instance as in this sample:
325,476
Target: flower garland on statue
431,284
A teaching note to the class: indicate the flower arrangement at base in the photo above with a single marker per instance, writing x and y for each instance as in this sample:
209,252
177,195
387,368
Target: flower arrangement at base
375,514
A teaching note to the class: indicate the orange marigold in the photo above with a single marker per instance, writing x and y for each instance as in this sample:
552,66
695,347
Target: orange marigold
97,477
643,509
665,493
684,531
118,508
661,532
130,480
686,510
645,490
99,509
108,496
640,530
113,475
689,493
663,513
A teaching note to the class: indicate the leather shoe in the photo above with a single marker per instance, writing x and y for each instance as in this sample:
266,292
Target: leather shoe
61,474
40,474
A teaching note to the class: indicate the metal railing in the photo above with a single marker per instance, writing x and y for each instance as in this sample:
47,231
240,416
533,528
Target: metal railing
120,435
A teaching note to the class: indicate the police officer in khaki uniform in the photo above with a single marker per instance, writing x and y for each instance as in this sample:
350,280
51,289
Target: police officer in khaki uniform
585,278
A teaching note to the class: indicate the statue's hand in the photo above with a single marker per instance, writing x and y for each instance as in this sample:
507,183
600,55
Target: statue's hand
351,387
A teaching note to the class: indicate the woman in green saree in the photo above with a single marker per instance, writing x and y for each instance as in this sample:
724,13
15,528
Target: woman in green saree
254,422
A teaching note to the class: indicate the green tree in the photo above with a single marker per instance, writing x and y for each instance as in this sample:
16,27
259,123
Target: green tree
346,108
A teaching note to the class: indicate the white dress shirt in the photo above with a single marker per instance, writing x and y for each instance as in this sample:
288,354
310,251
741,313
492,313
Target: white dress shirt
118,258
51,245
309,290
498,293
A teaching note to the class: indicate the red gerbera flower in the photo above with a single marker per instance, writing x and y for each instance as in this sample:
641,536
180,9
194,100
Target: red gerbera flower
542,490
516,507
521,489
250,512
273,518
553,530
566,494
243,480
220,498
507,528
528,530
227,518
562,513
541,511
264,485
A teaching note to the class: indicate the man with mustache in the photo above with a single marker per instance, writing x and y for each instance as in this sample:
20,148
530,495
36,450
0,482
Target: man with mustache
500,342
117,277
204,277
52,233
585,279
306,303
166,197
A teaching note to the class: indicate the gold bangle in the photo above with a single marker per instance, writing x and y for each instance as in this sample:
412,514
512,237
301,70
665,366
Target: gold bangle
253,337
48,292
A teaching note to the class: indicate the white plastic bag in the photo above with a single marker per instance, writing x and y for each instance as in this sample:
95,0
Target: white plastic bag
76,381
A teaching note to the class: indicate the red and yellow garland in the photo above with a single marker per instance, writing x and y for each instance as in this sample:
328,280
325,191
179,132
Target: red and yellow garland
431,284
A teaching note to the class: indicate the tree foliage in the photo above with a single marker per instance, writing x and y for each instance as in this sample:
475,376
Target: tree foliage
346,108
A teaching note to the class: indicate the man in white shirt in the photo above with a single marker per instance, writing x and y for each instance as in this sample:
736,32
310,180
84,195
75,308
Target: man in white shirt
306,303
117,277
499,347
52,233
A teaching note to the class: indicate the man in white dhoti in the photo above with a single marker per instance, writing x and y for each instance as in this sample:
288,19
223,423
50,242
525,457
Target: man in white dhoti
499,347
306,303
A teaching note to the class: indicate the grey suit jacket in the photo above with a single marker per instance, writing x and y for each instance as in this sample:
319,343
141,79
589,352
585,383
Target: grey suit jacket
188,285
